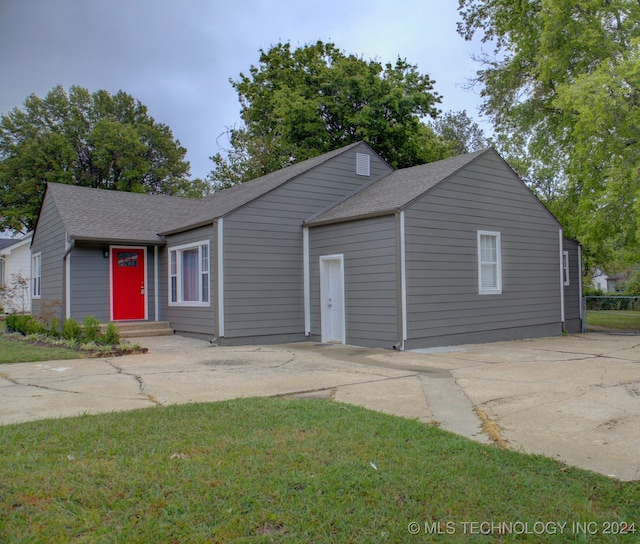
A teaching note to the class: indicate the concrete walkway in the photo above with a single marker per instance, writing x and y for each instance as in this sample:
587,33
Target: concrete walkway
576,398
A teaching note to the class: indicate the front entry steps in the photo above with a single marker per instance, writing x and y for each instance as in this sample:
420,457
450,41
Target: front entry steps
135,329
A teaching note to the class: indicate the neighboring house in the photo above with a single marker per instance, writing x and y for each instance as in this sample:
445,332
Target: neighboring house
609,284
15,268
338,248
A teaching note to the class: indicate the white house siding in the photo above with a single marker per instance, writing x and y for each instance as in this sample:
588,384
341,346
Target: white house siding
17,263
263,258
370,274
443,303
50,242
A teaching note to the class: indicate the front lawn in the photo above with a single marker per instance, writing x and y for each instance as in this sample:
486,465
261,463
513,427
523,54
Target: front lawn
13,350
279,470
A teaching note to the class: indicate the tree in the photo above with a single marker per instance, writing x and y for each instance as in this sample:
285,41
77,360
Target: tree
460,132
93,140
301,103
563,89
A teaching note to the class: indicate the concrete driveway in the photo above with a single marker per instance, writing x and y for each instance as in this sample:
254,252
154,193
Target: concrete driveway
575,398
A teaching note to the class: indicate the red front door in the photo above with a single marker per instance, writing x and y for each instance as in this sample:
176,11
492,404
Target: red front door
127,283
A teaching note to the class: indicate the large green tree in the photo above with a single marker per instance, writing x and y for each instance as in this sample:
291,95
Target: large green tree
562,88
90,139
300,103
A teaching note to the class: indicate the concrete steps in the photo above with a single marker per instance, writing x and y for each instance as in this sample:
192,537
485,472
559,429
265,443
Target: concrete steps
134,329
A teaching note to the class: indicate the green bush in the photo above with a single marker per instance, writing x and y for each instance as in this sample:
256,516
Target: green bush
18,323
54,327
111,335
91,329
71,330
34,326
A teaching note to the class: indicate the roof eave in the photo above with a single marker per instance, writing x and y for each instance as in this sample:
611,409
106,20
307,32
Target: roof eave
125,241
347,219
190,226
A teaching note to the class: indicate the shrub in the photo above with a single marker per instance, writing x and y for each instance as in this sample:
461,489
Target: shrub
91,329
33,326
54,327
71,330
18,323
111,335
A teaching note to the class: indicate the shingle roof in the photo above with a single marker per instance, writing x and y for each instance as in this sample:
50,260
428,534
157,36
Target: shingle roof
395,191
6,242
228,200
98,214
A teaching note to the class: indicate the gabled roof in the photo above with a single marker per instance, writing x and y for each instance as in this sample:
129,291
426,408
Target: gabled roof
228,200
117,216
6,242
395,191
98,214
8,245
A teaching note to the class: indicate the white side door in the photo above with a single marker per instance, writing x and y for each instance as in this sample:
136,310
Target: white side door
332,310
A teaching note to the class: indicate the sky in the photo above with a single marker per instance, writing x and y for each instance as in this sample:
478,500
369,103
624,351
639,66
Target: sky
177,56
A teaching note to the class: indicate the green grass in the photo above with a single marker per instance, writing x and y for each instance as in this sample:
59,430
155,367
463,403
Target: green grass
614,321
279,470
19,351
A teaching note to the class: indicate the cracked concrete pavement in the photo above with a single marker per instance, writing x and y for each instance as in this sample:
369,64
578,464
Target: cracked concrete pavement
575,399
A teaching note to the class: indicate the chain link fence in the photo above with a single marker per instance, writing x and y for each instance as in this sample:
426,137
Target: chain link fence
616,313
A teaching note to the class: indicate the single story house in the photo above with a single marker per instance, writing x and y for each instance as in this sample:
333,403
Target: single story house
15,274
338,248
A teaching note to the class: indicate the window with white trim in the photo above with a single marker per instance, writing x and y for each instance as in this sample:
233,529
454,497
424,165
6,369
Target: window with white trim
36,275
189,274
565,267
489,263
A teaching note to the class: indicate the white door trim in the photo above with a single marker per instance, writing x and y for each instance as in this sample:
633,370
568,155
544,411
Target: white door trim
327,305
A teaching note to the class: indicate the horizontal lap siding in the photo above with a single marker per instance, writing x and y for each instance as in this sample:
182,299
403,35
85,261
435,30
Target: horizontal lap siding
263,258
50,241
197,320
442,258
370,270
90,284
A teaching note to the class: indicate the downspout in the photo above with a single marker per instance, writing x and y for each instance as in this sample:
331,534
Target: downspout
582,323
560,234
155,284
70,244
220,253
402,291
306,281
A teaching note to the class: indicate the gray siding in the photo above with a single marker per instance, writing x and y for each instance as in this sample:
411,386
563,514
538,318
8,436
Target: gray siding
263,261
443,304
91,282
196,320
572,294
50,242
370,269
90,287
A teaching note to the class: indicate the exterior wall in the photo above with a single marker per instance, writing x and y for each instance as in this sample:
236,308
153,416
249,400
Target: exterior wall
91,282
572,294
370,278
195,320
49,240
90,287
263,258
443,304
17,262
